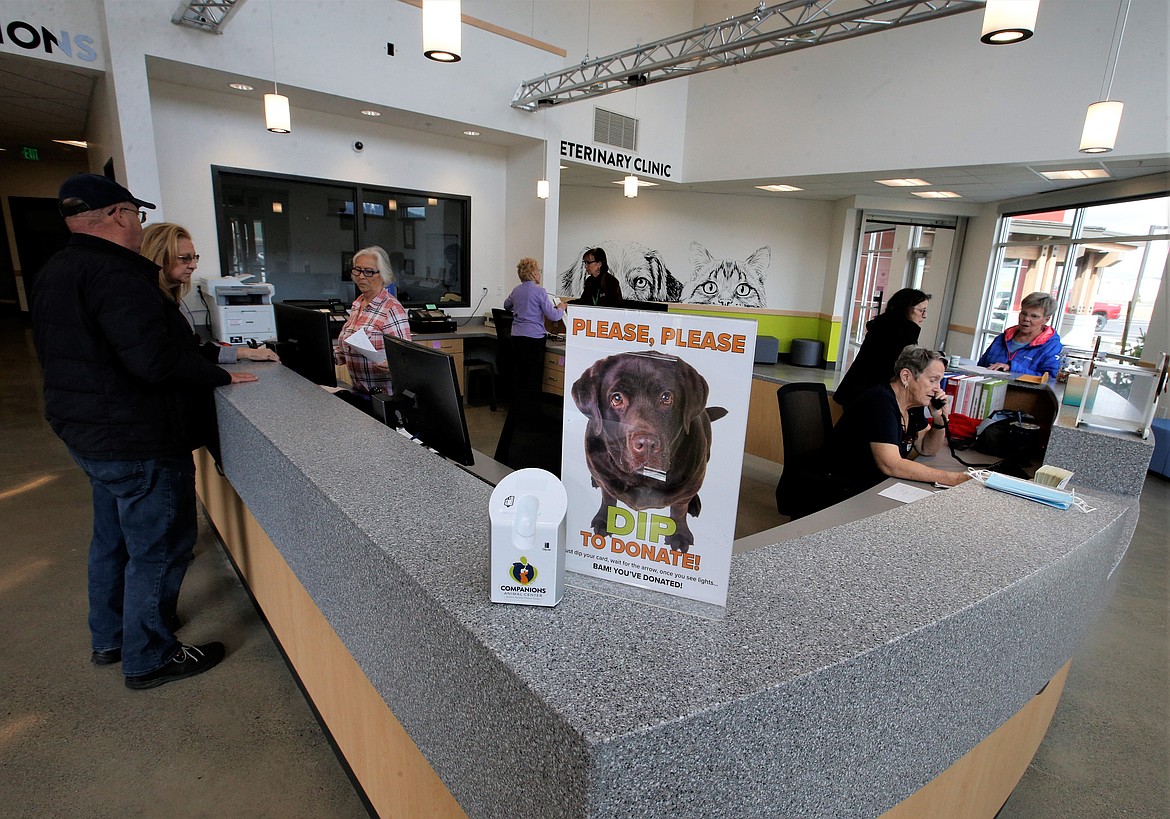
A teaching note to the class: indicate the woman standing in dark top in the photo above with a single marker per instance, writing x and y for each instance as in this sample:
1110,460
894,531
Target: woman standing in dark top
602,289
885,338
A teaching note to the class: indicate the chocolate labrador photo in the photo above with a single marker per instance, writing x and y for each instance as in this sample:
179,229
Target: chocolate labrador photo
649,436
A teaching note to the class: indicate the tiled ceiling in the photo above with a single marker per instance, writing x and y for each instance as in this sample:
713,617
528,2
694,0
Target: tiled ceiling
975,184
42,101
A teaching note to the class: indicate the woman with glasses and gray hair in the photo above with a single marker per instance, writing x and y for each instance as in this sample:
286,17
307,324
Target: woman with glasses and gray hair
377,314
1032,347
887,423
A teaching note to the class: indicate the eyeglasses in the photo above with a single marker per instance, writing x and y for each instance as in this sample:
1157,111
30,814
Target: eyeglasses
364,272
141,213
1033,316
591,261
187,259
919,310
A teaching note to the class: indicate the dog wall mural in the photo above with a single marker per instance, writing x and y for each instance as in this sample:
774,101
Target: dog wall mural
639,269
645,276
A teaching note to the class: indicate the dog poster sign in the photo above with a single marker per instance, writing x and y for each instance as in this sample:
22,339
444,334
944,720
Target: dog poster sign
655,417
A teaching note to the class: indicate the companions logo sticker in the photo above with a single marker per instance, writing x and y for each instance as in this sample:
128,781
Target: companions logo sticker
522,572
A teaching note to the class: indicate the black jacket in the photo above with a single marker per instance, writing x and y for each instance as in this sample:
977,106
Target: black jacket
123,375
885,337
603,290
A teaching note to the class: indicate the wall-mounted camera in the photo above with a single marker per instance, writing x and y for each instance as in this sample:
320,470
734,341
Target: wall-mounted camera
359,146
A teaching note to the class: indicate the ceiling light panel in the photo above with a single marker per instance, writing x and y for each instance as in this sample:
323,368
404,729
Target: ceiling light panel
903,183
1085,173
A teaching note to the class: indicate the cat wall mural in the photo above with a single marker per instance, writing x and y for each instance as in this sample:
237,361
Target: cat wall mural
727,282
645,276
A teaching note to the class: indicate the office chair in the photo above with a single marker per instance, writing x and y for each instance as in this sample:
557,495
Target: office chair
531,436
503,321
805,485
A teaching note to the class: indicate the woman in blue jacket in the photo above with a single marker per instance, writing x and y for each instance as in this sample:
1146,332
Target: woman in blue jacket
1031,347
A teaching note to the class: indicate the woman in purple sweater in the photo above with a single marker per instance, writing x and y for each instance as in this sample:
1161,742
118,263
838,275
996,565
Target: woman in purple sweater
531,304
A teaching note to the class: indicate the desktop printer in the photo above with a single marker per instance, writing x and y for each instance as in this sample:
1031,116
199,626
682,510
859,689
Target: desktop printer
239,312
430,320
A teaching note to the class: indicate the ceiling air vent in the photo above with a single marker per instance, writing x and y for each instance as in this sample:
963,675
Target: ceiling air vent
615,129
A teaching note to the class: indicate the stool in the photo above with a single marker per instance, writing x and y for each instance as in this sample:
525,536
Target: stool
477,366
807,352
767,349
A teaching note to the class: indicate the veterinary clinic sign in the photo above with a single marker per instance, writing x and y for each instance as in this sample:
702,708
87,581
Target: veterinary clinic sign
619,160
653,447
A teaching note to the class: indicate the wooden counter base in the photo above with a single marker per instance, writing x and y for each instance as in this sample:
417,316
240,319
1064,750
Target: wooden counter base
396,777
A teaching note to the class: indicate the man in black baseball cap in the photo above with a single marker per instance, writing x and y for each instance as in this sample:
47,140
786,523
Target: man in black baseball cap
121,372
91,191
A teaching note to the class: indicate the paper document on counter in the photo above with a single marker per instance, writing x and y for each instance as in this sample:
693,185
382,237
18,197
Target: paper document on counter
361,342
905,493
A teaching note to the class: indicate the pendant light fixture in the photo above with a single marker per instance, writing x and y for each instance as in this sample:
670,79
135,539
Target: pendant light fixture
542,183
630,183
1009,21
1103,118
442,37
277,117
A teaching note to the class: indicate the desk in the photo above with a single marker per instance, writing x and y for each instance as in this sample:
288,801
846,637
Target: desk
854,665
475,334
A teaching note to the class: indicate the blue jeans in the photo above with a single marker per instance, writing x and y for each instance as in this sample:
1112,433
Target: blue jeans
144,531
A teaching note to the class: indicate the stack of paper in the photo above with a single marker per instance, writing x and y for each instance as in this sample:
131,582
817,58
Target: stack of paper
360,342
1052,476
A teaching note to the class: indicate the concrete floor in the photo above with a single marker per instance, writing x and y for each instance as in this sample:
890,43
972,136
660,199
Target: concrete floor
241,740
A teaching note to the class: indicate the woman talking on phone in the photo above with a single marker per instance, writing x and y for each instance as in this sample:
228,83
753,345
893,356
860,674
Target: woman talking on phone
886,424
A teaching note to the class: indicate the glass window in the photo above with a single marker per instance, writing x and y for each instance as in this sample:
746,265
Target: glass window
1104,263
300,235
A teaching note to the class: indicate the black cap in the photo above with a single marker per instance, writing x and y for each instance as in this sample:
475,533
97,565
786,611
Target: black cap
93,191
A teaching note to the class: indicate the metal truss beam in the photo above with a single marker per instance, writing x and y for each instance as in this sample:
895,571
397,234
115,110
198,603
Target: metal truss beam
767,31
209,15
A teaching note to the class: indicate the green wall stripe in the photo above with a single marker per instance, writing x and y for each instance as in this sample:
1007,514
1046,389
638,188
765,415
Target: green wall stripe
784,328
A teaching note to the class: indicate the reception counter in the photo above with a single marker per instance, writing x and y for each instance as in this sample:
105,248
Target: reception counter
854,667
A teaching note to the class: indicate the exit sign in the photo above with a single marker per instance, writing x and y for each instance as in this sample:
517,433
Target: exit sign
30,153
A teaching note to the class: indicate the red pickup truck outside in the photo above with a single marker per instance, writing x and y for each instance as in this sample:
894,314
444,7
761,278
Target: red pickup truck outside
1103,310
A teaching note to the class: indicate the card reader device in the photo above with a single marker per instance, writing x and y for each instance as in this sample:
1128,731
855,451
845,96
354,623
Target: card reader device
527,510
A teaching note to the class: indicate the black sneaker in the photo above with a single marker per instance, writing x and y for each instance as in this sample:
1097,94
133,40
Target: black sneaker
107,656
187,662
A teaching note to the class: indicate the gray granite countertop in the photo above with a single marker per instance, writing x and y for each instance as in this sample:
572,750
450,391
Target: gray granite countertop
852,665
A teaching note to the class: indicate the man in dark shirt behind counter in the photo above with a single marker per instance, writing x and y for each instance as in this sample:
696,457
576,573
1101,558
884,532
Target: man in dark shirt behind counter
120,365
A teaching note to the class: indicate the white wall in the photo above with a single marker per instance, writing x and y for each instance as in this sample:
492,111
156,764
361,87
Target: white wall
596,29
798,233
339,48
929,95
197,129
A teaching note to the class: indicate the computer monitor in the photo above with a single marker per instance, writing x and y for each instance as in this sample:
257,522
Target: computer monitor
426,395
305,343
